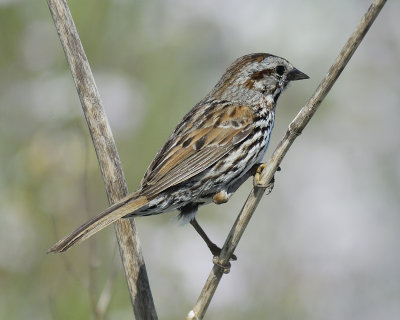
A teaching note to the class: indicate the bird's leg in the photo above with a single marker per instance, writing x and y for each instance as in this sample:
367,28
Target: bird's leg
215,250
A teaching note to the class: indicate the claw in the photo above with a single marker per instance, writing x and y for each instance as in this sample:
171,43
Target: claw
270,187
257,177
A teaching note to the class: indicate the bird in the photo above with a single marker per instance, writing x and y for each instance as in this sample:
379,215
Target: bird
217,145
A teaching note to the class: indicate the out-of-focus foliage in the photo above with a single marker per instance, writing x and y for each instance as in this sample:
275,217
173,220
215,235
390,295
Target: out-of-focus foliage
323,245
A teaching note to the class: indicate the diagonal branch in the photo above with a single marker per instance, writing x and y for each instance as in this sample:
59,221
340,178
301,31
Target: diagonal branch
295,129
108,158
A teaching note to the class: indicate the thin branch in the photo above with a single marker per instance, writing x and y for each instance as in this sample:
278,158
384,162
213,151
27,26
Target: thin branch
108,158
295,129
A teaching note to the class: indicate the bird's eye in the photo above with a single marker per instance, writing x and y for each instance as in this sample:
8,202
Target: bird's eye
280,70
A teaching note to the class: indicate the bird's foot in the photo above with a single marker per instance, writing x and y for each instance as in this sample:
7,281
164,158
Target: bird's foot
257,179
257,175
226,268
216,252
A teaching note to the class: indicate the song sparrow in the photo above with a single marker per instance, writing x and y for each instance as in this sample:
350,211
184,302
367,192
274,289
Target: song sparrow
212,151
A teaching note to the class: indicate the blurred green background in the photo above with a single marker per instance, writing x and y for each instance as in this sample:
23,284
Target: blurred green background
323,245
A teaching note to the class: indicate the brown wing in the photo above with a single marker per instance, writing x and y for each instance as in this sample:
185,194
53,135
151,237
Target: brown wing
195,149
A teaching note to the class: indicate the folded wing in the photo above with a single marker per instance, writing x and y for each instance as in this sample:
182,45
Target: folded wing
197,148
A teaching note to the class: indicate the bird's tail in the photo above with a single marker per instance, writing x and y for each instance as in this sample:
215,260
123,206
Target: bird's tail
126,206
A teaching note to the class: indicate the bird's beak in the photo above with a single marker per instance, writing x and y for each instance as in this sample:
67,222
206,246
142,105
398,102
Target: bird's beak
296,75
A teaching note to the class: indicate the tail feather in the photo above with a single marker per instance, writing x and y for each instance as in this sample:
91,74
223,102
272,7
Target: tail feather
112,214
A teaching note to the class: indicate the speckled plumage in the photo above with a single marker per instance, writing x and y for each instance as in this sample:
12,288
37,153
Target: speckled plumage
212,151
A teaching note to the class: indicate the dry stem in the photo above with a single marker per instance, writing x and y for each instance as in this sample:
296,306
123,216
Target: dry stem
295,129
108,158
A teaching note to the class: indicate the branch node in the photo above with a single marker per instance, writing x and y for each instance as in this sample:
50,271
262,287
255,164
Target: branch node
294,130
